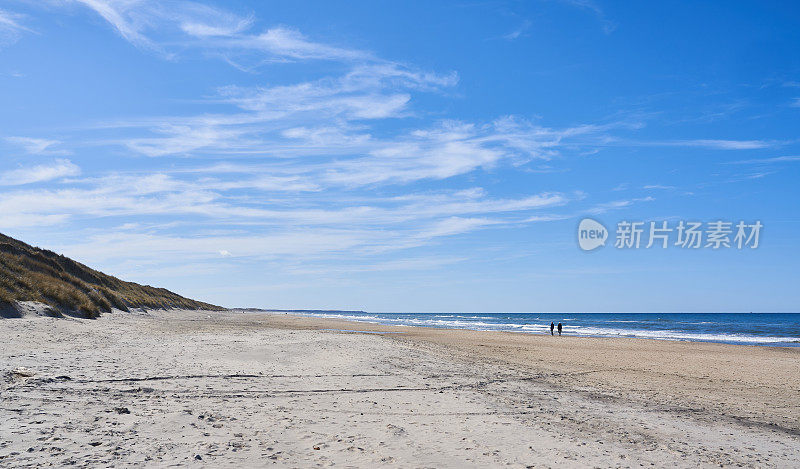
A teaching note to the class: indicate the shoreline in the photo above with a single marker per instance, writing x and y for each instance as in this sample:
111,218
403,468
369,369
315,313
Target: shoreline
585,327
534,333
254,389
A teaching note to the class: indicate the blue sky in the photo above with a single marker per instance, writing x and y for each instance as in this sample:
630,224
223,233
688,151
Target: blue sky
406,156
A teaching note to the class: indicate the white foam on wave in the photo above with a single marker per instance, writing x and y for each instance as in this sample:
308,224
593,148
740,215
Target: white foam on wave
418,321
680,335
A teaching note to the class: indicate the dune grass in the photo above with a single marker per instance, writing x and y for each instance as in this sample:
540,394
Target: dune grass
28,273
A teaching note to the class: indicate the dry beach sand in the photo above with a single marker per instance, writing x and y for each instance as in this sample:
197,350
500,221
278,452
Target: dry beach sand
253,389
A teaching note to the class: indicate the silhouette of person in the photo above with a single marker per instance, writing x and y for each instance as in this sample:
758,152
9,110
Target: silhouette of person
559,328
552,326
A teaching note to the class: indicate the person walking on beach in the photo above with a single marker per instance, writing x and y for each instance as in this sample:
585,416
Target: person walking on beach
552,326
559,328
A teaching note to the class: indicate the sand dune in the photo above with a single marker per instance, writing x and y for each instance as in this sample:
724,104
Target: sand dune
248,389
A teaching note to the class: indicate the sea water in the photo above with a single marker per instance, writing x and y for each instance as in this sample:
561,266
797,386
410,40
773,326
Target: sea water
771,329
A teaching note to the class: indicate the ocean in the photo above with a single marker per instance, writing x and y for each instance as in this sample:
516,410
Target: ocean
766,329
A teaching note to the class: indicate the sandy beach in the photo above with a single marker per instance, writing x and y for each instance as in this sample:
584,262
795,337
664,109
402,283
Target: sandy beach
255,389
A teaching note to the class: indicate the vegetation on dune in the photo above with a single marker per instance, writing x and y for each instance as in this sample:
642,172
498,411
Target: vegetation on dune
28,273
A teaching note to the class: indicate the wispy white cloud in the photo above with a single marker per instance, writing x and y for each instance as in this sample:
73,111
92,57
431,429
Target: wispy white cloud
591,6
225,225
604,207
161,194
445,151
169,27
39,173
127,17
714,144
518,32
453,226
727,144
353,240
37,146
146,23
776,159
210,22
365,92
327,115
442,152
9,21
10,27
177,139
347,153
18,220
288,43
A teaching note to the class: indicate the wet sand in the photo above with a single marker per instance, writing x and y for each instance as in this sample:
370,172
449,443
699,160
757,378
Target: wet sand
249,389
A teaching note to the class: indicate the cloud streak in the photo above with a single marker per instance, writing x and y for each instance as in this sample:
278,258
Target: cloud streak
712,144
589,5
36,146
169,27
10,27
40,173
765,161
